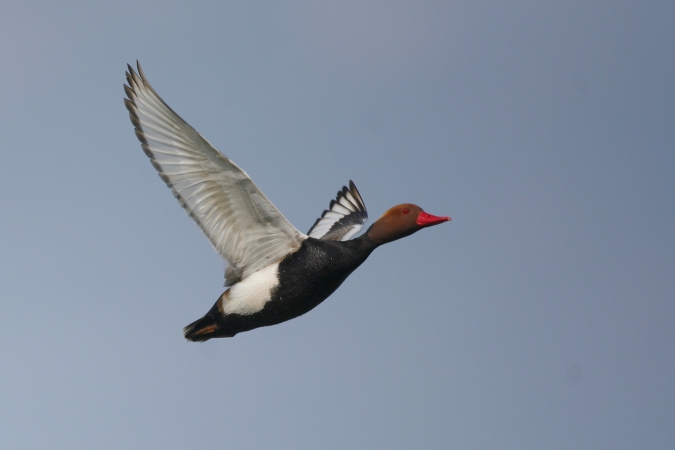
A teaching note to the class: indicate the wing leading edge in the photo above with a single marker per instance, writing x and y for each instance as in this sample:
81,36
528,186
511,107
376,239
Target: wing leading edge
243,226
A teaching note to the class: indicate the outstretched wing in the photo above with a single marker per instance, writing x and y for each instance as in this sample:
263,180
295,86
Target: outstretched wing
344,217
245,228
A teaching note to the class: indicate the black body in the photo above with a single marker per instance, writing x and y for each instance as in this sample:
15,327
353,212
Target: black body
306,278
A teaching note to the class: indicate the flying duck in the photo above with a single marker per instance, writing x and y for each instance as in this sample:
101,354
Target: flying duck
274,272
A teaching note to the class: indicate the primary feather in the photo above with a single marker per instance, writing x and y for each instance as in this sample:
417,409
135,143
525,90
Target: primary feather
345,216
245,228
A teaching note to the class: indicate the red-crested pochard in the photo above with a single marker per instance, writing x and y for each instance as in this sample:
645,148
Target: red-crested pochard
275,273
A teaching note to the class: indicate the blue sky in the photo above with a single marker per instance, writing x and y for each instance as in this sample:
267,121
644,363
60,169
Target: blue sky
540,317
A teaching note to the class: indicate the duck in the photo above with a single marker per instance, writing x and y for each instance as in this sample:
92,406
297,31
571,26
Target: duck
274,272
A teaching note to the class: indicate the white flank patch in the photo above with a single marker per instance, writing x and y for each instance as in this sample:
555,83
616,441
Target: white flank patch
250,294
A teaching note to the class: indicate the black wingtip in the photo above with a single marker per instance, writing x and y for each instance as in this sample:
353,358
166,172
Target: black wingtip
348,198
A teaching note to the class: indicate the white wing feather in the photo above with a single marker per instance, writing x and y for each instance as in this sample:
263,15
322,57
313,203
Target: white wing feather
245,228
345,216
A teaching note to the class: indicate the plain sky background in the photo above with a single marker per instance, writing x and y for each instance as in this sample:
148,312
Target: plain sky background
541,317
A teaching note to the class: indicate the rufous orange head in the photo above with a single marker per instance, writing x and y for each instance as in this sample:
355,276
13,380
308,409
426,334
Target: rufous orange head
401,221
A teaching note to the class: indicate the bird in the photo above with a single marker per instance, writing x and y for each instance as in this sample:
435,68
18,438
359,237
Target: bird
274,272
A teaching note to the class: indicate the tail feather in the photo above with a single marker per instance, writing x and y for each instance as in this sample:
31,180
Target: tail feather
202,329
210,326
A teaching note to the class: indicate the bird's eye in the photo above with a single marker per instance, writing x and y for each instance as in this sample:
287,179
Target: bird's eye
406,210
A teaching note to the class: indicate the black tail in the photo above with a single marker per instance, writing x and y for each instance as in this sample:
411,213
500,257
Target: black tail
201,330
209,326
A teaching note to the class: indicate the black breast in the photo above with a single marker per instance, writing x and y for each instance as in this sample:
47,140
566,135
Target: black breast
310,275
